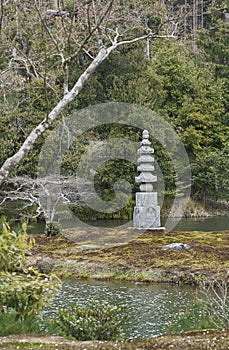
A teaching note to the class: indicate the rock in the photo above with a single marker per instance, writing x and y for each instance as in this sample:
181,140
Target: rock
176,246
45,265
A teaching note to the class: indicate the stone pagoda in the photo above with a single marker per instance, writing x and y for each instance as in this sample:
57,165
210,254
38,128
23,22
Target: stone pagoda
147,210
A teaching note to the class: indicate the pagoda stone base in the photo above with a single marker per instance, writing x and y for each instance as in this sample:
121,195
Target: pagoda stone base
146,211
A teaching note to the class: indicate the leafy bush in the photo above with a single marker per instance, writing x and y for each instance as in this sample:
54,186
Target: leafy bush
13,249
53,228
27,293
97,321
22,287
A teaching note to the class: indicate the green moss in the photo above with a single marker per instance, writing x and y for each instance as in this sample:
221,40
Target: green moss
209,255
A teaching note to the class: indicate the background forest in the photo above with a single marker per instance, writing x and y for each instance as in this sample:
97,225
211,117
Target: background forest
184,79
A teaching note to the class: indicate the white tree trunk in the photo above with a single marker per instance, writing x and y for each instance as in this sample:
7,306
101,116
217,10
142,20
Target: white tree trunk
11,162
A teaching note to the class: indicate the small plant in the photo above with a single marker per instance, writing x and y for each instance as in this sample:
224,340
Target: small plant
23,289
10,324
97,321
214,295
210,309
53,228
194,318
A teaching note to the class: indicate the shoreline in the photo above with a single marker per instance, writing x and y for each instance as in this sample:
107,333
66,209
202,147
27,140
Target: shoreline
196,340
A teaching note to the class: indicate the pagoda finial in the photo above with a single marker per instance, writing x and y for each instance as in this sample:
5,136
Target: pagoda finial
145,134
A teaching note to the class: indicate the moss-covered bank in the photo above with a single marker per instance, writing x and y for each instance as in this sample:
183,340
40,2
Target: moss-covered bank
92,253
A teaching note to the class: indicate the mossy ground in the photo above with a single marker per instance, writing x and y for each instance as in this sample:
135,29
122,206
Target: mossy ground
92,253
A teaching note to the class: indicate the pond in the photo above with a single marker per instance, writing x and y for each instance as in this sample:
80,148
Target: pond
217,223
151,306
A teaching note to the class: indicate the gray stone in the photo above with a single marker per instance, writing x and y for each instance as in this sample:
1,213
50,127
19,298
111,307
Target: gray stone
176,246
147,217
45,265
147,211
145,158
145,167
146,177
145,149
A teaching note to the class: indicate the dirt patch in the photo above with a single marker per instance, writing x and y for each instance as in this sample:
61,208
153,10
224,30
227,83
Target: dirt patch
83,253
196,340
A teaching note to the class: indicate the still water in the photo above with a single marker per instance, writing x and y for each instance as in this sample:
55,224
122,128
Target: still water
150,307
217,223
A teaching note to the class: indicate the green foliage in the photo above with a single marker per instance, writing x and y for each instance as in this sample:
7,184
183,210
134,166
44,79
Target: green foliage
34,324
22,288
188,88
213,41
10,324
211,174
193,100
210,309
13,249
191,319
26,293
97,321
53,228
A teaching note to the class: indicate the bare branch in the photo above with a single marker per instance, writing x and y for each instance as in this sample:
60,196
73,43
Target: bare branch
17,58
45,195
215,298
144,37
72,57
88,54
1,15
50,33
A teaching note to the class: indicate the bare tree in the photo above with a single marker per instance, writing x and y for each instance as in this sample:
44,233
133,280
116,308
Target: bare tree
214,296
45,197
32,33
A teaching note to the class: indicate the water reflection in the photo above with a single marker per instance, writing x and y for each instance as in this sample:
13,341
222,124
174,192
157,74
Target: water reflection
218,223
151,307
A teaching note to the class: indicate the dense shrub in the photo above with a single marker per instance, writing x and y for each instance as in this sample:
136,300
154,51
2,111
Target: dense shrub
97,321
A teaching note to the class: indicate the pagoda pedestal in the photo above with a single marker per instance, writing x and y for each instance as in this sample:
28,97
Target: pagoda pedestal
146,211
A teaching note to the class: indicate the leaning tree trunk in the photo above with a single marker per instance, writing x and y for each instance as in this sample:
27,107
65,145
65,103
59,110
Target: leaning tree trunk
11,162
